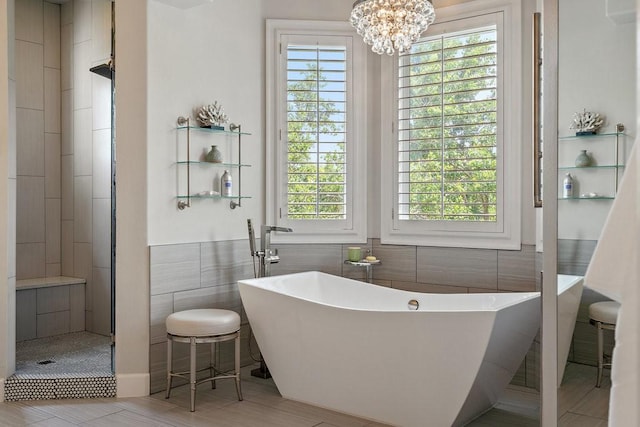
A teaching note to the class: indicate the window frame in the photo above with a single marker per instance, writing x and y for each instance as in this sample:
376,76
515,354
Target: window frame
505,233
354,227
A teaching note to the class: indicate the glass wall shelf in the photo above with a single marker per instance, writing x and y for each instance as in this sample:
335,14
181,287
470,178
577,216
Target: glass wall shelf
213,196
234,131
607,146
574,137
231,165
222,131
587,198
592,167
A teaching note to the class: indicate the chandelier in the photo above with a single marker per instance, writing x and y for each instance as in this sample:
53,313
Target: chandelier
390,25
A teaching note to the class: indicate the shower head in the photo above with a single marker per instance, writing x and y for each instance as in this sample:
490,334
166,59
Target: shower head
104,70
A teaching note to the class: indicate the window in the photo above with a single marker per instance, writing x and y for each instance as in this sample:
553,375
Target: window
447,130
456,136
315,153
316,132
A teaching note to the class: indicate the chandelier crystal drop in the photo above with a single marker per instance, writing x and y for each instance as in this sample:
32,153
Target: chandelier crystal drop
390,25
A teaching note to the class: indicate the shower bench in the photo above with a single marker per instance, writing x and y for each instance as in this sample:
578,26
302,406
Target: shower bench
49,306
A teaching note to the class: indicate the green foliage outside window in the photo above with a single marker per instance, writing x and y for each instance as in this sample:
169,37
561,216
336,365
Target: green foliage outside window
316,129
447,148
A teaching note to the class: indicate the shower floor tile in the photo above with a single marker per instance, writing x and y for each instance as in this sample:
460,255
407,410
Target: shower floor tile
74,353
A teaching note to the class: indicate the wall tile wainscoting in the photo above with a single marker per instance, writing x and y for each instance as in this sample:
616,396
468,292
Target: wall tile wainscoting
204,275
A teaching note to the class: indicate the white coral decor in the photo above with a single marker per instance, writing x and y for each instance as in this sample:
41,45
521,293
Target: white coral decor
586,121
211,114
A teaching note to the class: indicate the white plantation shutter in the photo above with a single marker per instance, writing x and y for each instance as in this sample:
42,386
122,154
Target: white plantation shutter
447,128
316,132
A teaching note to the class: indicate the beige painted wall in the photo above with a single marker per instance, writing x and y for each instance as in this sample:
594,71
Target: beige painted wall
132,259
7,197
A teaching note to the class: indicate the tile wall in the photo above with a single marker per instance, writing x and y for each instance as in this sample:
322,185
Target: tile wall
49,311
195,275
86,154
199,275
38,133
64,147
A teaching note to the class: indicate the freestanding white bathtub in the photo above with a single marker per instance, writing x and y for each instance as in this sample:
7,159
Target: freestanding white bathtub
356,348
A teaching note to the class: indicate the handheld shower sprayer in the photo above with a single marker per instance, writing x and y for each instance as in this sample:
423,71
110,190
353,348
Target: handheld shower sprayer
252,238
252,247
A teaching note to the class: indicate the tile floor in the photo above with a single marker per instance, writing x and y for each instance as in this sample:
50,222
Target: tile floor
74,365
580,405
77,352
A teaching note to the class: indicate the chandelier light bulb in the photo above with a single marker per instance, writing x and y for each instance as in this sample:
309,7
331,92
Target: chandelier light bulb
388,26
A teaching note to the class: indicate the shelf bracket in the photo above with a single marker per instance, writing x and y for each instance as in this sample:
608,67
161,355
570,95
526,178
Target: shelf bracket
236,127
185,121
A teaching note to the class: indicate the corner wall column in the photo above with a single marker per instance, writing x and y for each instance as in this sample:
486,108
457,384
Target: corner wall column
132,253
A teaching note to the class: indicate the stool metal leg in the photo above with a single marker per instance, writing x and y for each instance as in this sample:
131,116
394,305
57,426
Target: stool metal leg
600,354
169,367
213,364
237,366
214,373
192,373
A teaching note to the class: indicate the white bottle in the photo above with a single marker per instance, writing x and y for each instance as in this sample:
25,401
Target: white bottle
226,184
567,186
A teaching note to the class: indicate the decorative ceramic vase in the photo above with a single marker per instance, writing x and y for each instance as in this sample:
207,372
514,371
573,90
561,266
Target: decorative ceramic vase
214,155
583,159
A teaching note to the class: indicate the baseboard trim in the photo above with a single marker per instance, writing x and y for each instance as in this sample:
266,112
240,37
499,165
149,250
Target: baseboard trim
132,385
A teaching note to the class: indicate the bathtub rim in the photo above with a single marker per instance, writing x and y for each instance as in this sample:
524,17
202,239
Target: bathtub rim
567,281
514,297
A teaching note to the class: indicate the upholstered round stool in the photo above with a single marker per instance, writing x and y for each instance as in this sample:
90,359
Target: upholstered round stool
199,327
604,315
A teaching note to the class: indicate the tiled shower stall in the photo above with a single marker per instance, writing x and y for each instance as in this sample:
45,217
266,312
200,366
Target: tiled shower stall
63,164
